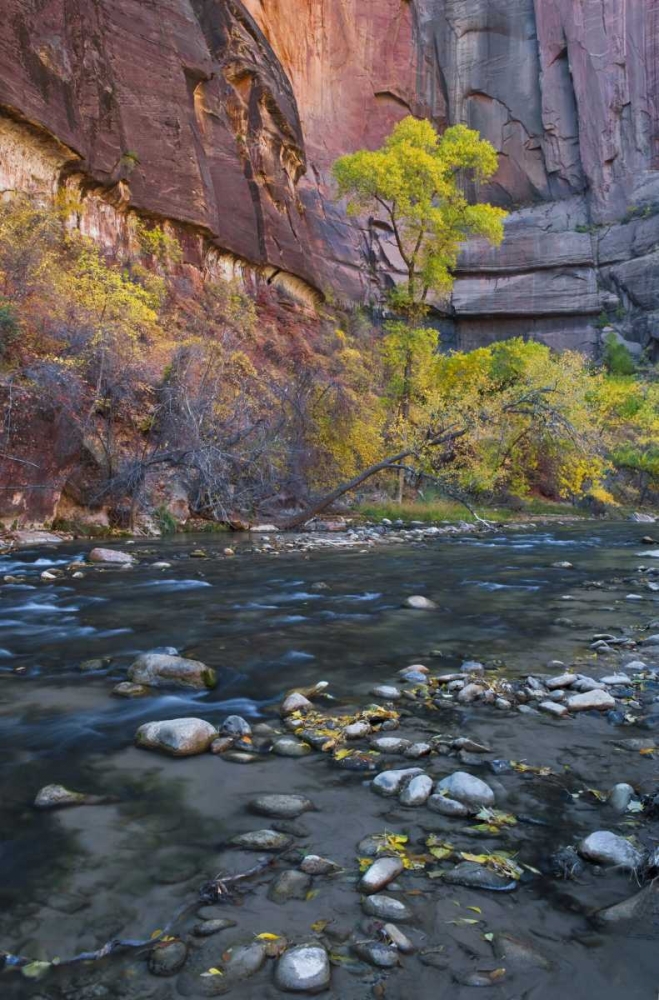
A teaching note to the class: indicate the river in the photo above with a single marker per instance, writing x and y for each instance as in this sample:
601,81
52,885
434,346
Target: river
73,878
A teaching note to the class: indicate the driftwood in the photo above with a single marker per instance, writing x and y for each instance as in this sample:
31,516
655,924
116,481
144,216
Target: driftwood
214,891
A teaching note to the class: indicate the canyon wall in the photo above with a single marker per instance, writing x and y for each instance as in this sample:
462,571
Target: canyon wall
224,116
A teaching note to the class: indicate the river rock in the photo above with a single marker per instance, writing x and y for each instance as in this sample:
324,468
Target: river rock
377,953
620,797
295,702
281,806
289,746
178,737
25,536
417,792
475,876
166,959
386,907
290,884
235,725
643,906
380,874
126,689
389,783
420,603
446,806
604,847
613,679
357,730
262,840
399,940
390,744
418,750
599,700
467,789
387,692
110,556
206,928
303,969
243,961
313,864
553,708
414,675
162,670
222,744
469,693
519,953
57,796
560,681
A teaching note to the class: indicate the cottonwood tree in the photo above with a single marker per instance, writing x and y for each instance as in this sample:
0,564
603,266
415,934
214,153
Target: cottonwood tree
414,184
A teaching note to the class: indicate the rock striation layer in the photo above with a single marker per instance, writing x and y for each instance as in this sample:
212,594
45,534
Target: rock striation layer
224,117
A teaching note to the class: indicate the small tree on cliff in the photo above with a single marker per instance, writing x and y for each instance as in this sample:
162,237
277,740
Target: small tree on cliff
414,182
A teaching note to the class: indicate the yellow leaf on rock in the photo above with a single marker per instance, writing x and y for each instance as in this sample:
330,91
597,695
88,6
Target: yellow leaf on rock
267,936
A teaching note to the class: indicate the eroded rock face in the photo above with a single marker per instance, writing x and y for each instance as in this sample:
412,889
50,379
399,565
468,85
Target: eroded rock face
225,116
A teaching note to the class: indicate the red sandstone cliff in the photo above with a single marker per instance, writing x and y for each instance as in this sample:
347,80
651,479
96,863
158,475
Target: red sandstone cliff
225,116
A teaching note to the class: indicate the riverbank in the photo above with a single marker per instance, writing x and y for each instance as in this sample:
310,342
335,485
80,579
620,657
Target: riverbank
502,609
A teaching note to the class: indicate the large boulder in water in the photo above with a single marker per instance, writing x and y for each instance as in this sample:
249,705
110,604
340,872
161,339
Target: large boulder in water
110,556
163,670
178,737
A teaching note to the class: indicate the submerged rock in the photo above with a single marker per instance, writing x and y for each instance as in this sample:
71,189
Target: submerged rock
519,953
163,670
313,864
380,874
386,907
166,959
383,956
466,788
179,737
289,746
57,796
291,884
303,969
475,876
642,906
213,926
446,806
262,840
609,848
125,689
281,806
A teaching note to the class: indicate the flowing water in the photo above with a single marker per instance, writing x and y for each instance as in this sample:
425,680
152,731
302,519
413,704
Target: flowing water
73,878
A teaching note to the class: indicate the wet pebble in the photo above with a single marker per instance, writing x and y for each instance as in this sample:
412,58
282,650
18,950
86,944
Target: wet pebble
400,941
178,737
57,796
446,806
208,927
475,876
295,702
420,603
390,783
620,797
418,750
313,864
596,699
235,725
387,692
390,744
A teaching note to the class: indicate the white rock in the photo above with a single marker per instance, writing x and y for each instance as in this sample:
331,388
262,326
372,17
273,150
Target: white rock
390,744
610,849
179,737
380,874
295,702
417,792
560,681
357,730
616,679
386,691
469,693
620,797
389,783
110,556
165,670
636,665
420,603
303,969
553,708
466,788
600,700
